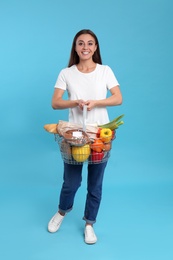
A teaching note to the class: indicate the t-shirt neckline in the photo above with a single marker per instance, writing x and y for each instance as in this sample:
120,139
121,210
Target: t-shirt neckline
86,72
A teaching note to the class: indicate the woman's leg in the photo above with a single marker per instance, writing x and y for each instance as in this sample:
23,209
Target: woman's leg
94,195
72,181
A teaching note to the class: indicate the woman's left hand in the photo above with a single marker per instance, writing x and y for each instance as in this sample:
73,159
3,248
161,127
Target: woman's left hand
90,104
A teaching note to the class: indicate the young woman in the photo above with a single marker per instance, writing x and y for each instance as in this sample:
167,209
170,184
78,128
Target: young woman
87,81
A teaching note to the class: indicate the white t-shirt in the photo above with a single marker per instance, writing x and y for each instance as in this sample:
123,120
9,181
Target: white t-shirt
87,86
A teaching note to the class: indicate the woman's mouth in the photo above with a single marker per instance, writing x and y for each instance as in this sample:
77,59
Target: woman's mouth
85,52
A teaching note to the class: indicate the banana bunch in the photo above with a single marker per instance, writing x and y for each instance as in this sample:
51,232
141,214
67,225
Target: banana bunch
114,124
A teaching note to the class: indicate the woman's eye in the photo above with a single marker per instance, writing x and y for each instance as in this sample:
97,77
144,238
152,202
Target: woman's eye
89,44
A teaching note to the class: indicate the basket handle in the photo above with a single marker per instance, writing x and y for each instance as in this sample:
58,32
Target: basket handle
84,117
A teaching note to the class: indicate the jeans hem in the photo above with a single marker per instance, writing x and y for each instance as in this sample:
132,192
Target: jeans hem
65,211
89,221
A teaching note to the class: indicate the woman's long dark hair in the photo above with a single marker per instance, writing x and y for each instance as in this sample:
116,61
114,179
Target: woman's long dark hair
74,58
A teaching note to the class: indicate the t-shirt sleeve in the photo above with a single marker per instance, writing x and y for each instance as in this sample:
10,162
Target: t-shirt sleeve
61,81
111,79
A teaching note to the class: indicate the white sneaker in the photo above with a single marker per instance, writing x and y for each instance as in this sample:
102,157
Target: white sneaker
90,237
55,222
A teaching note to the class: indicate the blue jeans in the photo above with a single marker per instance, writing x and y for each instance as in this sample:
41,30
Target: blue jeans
72,181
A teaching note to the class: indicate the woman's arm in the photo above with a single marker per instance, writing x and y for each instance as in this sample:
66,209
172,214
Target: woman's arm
114,100
59,103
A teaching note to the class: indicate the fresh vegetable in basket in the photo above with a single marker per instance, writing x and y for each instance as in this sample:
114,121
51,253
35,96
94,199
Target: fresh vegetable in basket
96,157
114,124
81,153
106,135
97,145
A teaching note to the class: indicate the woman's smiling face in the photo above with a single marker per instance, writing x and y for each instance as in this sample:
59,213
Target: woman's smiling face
85,46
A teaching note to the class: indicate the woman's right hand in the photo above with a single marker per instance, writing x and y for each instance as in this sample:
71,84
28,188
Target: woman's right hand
81,103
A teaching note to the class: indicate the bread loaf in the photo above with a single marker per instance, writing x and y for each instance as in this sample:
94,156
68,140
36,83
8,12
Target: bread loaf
51,128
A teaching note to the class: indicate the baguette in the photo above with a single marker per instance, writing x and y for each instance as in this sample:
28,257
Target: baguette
51,128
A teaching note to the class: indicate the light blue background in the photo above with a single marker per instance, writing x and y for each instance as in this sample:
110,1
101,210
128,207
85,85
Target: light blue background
136,217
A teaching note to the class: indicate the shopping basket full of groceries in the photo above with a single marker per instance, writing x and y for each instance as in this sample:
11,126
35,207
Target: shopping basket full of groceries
79,144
